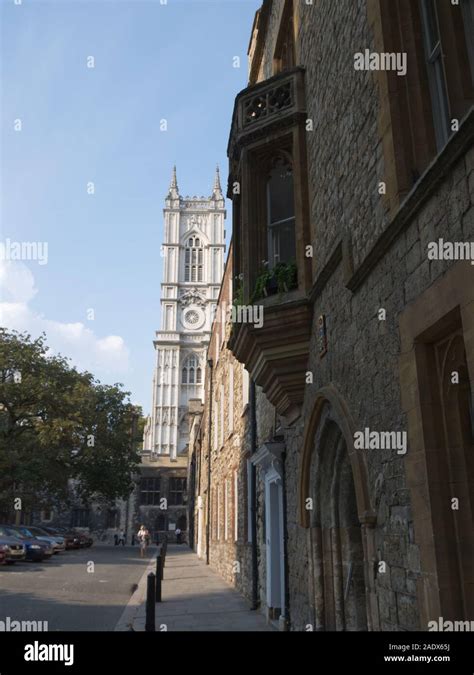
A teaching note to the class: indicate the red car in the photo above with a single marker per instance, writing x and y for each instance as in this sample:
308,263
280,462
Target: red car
71,539
85,540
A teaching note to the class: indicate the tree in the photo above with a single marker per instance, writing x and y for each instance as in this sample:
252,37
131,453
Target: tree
58,424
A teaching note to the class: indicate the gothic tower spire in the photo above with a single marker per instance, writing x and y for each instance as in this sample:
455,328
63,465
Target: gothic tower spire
217,190
174,189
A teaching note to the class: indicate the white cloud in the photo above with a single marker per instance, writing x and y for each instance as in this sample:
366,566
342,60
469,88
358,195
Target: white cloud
106,357
17,283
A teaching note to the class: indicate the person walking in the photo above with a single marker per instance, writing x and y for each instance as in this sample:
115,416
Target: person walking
122,538
142,537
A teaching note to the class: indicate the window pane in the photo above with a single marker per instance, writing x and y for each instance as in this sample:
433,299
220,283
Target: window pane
282,248
436,74
150,491
281,203
431,24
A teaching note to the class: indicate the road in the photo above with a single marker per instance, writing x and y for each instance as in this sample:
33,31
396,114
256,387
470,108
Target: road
69,592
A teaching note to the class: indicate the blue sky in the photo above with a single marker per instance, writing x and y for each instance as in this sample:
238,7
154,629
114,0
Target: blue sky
102,125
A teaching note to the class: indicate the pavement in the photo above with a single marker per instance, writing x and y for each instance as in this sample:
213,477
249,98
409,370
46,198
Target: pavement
84,589
194,598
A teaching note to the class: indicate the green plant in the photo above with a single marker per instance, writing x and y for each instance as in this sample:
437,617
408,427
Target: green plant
238,300
285,276
261,285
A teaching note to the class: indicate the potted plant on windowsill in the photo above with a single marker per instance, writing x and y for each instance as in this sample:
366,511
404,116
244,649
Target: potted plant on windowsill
281,279
286,276
262,283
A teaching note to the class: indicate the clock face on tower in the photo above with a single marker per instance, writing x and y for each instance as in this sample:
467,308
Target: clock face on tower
192,318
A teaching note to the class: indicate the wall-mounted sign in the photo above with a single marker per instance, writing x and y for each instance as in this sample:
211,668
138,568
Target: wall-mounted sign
322,336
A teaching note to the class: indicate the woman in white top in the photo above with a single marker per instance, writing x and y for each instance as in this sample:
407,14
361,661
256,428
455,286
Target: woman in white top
142,539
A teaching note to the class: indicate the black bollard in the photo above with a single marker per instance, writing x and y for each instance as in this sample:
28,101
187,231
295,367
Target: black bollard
159,576
150,604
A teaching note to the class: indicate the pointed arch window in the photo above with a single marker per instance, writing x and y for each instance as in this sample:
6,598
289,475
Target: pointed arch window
191,372
193,260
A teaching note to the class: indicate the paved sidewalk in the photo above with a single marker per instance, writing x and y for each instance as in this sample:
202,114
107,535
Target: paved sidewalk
195,598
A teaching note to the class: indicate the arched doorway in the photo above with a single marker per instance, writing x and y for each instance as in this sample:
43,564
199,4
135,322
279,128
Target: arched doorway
335,509
337,542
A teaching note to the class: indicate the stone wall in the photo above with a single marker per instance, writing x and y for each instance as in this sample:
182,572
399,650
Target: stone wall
345,165
228,447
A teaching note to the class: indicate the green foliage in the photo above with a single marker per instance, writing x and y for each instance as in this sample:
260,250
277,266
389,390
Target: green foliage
238,296
58,424
284,276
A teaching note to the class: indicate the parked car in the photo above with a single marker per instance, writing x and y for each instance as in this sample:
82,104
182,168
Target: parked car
35,550
13,548
3,554
35,533
85,540
71,539
59,543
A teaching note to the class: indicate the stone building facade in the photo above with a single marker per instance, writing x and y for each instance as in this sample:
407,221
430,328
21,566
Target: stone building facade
219,473
159,498
352,176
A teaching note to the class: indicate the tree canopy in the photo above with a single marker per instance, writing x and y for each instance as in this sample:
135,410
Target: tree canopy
59,425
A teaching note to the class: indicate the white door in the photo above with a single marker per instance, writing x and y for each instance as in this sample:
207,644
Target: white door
275,549
200,542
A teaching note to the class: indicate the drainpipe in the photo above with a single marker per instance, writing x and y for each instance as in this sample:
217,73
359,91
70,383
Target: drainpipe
210,363
253,492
